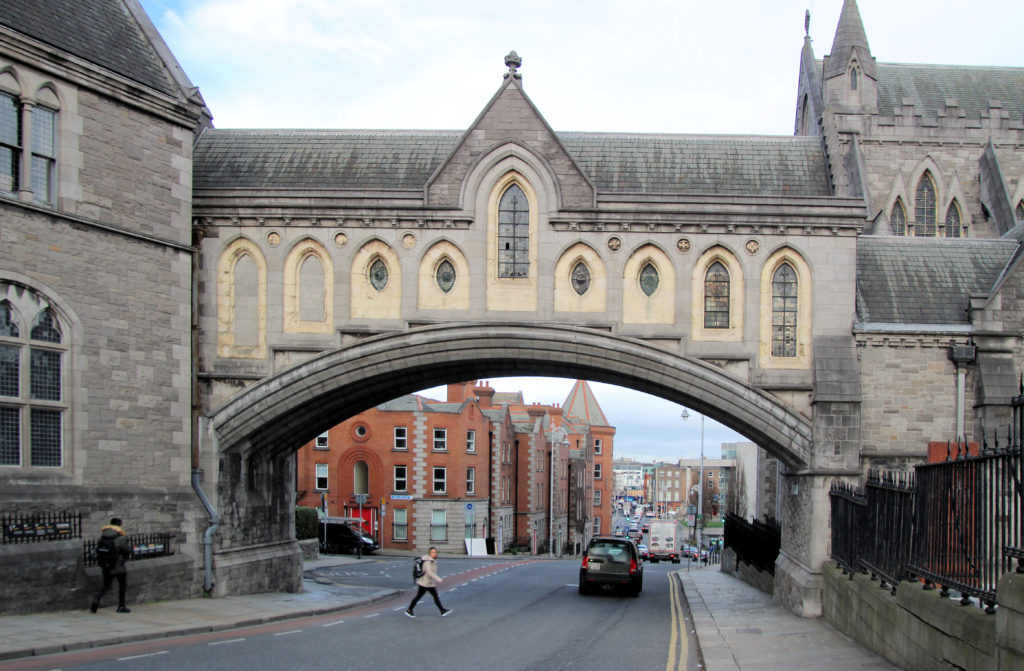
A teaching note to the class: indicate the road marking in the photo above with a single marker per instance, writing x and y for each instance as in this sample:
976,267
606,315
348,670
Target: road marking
372,615
230,640
331,624
675,590
285,633
151,654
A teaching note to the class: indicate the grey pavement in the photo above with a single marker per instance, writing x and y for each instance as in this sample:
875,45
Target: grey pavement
740,627
737,625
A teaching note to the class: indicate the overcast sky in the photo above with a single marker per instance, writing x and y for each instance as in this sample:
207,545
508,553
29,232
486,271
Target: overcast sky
650,66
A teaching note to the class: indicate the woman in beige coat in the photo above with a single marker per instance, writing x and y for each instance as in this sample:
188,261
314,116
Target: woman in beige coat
428,583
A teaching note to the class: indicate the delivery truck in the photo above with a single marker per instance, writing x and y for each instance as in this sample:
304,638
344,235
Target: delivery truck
665,536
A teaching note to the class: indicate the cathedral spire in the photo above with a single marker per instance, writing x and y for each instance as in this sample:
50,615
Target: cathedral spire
850,42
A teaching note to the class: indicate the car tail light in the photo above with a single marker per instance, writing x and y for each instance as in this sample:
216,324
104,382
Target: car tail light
632,566
585,560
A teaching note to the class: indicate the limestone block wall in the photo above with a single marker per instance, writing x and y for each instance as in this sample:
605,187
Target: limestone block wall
909,395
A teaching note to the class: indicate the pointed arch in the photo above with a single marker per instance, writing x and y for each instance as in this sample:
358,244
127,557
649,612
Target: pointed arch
649,287
378,296
926,206
567,297
953,227
242,301
308,288
512,248
430,292
785,333
726,301
898,218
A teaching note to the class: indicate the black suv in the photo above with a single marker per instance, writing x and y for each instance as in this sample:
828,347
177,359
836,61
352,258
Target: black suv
612,562
342,536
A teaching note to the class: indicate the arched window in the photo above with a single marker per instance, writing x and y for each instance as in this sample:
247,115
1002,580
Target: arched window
898,220
32,405
716,297
360,478
513,233
648,279
580,278
246,324
378,274
1020,211
953,220
925,207
784,311
312,294
853,79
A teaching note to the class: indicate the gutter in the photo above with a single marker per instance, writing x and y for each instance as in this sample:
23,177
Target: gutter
208,536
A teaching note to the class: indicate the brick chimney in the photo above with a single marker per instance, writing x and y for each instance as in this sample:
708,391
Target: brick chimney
484,394
459,391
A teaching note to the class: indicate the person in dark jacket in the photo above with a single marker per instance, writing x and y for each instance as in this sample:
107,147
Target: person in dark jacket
118,570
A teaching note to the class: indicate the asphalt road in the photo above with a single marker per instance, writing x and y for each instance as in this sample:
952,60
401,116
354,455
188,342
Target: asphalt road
506,614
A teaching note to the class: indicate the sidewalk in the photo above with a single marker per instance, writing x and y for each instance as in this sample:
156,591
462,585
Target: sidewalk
740,627
47,633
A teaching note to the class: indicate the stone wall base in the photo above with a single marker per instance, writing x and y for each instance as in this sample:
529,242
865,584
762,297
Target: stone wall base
797,588
921,630
46,577
734,566
273,567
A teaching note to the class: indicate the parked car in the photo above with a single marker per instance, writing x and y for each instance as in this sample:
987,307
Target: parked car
341,535
646,528
644,554
609,563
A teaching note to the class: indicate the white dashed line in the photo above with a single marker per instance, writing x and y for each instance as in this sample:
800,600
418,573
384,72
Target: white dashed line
285,633
331,624
372,615
151,654
230,640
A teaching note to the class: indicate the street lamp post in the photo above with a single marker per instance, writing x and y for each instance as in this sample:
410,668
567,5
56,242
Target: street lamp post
700,482
556,434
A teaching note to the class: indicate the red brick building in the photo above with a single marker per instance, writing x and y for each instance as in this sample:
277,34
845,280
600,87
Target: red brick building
477,465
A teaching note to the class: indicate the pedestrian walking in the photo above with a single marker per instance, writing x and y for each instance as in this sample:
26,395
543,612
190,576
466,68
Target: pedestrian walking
427,582
112,550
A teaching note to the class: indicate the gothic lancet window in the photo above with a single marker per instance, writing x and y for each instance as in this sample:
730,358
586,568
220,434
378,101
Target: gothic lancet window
580,278
648,279
953,226
925,207
1020,211
898,220
513,233
716,297
784,311
853,79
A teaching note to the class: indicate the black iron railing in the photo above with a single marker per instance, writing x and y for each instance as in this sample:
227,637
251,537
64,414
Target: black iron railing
756,543
144,546
40,527
849,525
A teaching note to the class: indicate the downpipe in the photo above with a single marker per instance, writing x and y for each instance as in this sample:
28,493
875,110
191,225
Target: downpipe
210,530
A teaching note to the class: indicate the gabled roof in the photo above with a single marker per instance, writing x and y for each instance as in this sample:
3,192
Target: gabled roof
102,32
581,405
615,163
928,87
926,281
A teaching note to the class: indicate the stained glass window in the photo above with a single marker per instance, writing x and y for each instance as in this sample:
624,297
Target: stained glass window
898,220
513,233
649,279
446,276
784,311
716,297
953,220
580,278
924,207
378,275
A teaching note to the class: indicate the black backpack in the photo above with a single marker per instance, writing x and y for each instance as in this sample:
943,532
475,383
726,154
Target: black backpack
106,552
417,568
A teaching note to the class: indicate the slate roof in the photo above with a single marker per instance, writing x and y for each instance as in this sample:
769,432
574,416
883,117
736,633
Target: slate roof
392,159
928,86
101,32
903,280
581,406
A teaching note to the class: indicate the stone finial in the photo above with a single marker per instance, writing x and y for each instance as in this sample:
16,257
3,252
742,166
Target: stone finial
513,61
807,23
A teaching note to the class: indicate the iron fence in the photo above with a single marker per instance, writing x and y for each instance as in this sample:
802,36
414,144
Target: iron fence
144,546
957,523
757,543
40,527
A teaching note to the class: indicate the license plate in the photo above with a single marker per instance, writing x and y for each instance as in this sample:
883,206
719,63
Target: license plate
596,565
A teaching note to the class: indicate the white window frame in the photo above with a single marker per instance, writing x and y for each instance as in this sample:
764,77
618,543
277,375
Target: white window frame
443,471
322,442
597,497
598,446
440,439
401,436
400,524
321,471
439,526
402,479
471,440
597,526
597,471
470,480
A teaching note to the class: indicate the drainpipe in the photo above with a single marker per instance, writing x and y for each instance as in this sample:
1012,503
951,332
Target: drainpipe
961,355
196,420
